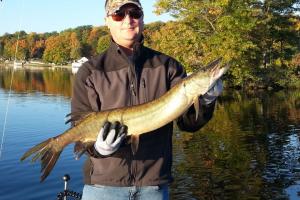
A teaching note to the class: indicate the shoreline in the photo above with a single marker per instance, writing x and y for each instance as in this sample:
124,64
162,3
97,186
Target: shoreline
34,65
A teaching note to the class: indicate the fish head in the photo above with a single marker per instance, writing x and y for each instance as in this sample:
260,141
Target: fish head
205,78
216,73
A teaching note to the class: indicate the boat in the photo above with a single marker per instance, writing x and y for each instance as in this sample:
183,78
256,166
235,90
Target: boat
77,64
68,193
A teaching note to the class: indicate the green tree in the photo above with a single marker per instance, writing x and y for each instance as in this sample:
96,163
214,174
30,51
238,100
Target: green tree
75,47
1,47
179,41
94,36
31,40
275,37
22,49
9,50
83,33
57,50
38,49
247,33
149,30
103,43
222,27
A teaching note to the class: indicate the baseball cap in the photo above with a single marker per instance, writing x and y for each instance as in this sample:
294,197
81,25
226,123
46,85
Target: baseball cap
112,6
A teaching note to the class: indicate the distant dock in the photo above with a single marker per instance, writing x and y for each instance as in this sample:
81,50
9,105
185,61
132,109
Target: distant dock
32,65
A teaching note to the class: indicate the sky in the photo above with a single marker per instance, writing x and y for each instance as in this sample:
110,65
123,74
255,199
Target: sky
56,15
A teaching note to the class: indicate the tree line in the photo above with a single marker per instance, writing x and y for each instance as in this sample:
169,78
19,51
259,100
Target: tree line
261,40
58,48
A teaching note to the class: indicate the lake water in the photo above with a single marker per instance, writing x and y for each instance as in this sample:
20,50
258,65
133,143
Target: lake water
249,150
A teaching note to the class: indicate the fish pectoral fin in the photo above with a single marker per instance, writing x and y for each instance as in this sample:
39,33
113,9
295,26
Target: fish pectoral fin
197,107
81,147
135,140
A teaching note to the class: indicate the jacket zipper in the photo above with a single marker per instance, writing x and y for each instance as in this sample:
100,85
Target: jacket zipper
133,100
133,87
132,78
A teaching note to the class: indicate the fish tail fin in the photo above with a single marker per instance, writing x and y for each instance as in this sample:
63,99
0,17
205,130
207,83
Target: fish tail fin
46,154
135,140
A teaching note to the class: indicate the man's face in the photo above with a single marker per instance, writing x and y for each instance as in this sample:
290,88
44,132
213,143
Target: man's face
128,30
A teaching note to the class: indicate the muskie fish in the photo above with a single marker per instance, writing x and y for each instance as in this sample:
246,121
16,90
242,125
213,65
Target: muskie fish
158,113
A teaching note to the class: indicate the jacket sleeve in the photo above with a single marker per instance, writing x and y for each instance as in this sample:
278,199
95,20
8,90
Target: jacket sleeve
80,103
84,96
188,122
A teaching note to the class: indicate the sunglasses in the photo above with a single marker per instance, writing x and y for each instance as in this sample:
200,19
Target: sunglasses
119,15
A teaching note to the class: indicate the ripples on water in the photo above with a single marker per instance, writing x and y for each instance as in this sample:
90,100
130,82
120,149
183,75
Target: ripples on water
283,168
33,118
249,150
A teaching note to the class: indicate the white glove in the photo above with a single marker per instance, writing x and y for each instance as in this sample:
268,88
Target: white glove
110,138
212,94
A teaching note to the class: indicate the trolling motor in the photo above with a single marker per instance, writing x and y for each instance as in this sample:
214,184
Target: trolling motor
68,193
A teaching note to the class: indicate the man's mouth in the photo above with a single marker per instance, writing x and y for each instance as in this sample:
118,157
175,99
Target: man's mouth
128,28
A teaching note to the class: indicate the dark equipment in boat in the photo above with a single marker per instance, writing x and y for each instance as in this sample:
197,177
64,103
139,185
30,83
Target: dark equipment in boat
68,194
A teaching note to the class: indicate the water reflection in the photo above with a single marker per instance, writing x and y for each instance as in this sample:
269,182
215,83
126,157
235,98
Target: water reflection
249,150
55,81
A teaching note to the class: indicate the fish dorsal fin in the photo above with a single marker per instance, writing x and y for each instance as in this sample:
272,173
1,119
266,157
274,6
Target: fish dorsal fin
197,107
77,117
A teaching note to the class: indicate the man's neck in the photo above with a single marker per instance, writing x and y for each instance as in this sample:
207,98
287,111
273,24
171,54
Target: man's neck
127,51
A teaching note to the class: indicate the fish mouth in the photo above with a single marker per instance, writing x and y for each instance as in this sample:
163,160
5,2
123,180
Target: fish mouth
217,72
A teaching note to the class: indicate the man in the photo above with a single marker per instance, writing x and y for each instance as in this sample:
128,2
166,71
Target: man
127,74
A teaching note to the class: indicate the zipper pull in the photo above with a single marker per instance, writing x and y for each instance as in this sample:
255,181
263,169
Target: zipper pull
132,89
144,83
144,89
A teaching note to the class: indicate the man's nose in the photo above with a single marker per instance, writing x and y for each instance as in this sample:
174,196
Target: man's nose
127,18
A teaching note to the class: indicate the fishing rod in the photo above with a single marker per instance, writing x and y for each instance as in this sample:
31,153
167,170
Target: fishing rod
11,82
65,193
